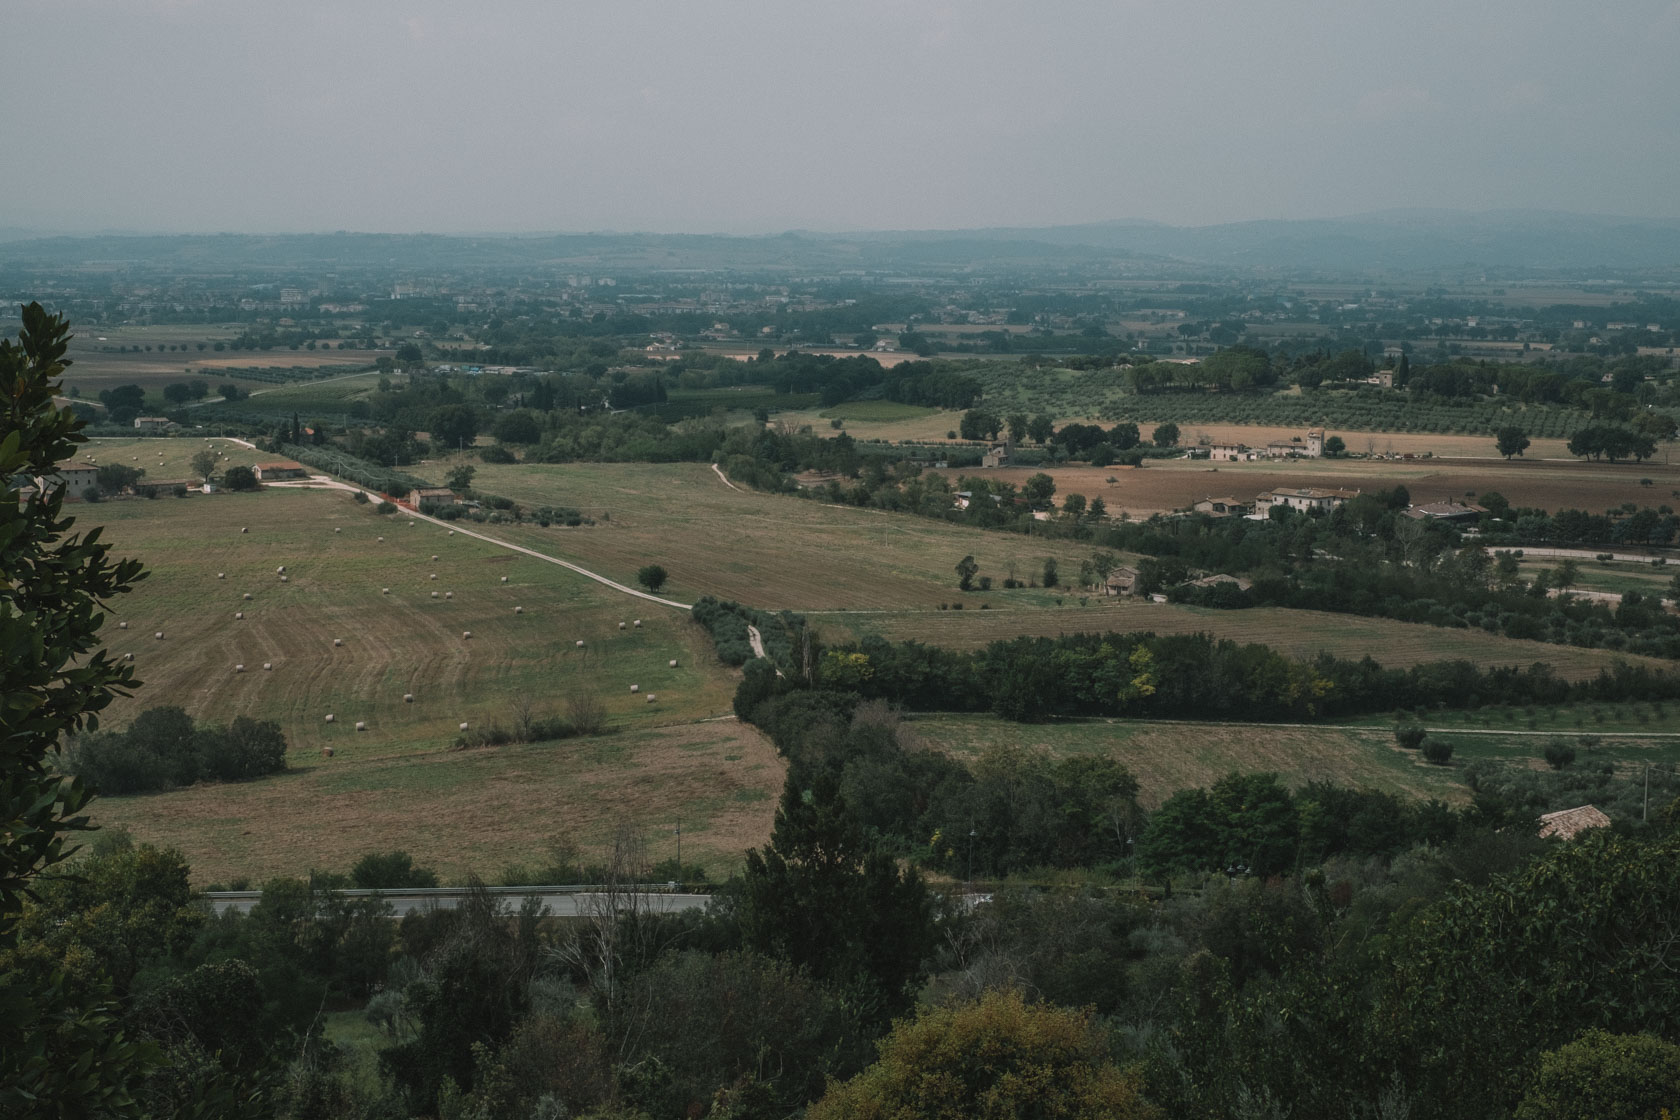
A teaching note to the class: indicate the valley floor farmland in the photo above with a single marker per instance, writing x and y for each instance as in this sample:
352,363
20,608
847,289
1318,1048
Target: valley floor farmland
1296,633
476,812
771,551
1166,485
403,642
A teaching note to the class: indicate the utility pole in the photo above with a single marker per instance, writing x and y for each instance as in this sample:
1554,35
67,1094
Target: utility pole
678,831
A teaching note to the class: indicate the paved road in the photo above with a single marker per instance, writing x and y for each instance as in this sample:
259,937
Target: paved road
562,902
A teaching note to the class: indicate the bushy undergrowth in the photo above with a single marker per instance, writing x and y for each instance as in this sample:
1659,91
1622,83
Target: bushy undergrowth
163,749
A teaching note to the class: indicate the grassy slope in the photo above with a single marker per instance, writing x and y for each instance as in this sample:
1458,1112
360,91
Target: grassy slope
475,812
396,785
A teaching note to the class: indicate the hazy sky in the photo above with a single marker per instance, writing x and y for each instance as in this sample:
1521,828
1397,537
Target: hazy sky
211,115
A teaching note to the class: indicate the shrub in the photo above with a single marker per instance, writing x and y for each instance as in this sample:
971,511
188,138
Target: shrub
651,576
240,478
1410,735
1559,755
1605,1076
1437,751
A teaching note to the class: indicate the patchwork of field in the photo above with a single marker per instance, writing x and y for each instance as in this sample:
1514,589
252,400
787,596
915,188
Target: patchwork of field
1165,485
769,550
338,645
1166,756
175,356
476,812
1300,634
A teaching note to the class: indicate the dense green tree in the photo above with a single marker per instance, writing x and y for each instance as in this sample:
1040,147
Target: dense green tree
54,1045
390,871
966,571
999,1058
1041,428
652,576
1165,435
453,425
1605,1076
240,478
1039,489
1511,440
823,898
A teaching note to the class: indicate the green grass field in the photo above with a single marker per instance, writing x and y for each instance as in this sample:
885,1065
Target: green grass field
476,812
767,550
1298,633
392,644
1168,756
397,784
879,411
169,457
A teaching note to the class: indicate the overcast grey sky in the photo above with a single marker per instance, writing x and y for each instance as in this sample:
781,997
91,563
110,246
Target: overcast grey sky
496,115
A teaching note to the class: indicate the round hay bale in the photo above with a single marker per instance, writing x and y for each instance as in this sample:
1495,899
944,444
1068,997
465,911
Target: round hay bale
285,579
384,590
128,657
326,752
244,530
382,539
122,626
247,596
239,668
621,626
434,556
238,614
408,698
338,641
580,644
466,633
652,698
361,726
504,579
449,594
329,719
281,570
637,624
221,575
635,688
268,666
518,610
673,663
158,635
463,727
337,530
452,532
434,574
434,594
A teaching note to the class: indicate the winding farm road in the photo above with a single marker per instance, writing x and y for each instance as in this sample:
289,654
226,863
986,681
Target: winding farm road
321,481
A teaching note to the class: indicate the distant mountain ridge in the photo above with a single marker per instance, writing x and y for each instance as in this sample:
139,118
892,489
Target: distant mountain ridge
1387,241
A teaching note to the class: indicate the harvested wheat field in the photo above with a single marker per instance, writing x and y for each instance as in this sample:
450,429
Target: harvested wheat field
474,812
356,622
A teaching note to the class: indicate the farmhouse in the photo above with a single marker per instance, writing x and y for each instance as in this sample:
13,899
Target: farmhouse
1307,499
278,469
1296,448
1452,510
77,478
153,423
1121,581
152,487
1232,453
996,456
1222,507
434,495
1566,824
